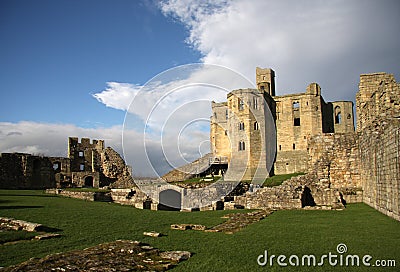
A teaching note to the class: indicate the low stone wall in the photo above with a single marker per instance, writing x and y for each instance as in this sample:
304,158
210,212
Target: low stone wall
132,197
88,196
299,192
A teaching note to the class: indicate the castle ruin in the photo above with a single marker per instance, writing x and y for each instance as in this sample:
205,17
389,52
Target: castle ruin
89,164
243,127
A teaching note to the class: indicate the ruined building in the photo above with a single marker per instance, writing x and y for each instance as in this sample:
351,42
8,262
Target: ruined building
242,128
89,164
360,166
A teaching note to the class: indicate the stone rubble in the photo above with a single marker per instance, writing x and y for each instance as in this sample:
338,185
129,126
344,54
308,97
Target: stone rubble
121,255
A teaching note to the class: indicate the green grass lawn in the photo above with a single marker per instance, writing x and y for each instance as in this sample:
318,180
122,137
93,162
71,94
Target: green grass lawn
278,179
83,224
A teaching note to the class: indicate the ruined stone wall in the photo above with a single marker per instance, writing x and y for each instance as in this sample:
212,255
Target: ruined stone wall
334,159
378,126
84,155
114,170
343,120
377,99
25,171
379,152
299,116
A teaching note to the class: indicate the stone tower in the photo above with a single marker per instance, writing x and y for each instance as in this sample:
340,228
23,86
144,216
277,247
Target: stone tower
251,132
84,155
265,80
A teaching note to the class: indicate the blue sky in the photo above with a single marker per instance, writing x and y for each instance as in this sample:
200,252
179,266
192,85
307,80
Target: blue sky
54,54
71,68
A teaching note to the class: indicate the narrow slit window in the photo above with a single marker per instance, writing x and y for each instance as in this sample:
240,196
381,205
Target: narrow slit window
241,146
256,126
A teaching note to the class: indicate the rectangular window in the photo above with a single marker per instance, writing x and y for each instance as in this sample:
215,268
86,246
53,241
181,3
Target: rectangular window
80,153
294,146
296,122
82,167
226,114
241,104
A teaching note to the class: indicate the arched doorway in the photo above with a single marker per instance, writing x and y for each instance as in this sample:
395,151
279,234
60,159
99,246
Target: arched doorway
89,181
170,200
306,198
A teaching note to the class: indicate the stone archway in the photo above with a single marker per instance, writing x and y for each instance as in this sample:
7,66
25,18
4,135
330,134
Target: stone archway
306,198
89,181
170,200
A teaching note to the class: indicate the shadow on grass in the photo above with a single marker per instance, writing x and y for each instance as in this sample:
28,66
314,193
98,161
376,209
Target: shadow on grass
23,195
19,207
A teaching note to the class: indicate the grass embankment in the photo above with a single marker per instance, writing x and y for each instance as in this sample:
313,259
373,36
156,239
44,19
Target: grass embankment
279,179
83,224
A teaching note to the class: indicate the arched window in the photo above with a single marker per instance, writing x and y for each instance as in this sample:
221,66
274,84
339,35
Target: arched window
338,115
241,146
241,126
255,125
255,103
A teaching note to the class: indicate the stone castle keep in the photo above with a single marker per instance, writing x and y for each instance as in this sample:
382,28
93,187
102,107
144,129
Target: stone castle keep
341,165
236,125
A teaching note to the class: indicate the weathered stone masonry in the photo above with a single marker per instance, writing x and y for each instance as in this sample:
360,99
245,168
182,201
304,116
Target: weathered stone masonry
378,127
88,164
362,166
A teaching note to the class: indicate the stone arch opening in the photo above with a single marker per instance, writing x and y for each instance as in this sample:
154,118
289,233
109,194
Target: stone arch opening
89,181
306,198
170,200
338,115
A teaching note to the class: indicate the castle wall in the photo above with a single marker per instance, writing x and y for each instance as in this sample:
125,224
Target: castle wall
220,143
250,128
25,171
334,159
378,98
297,117
379,152
378,127
342,113
84,155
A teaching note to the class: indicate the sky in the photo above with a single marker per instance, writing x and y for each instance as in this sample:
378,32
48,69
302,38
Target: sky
74,68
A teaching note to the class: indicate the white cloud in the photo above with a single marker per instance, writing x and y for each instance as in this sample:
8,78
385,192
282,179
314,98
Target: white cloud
117,95
330,42
52,140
